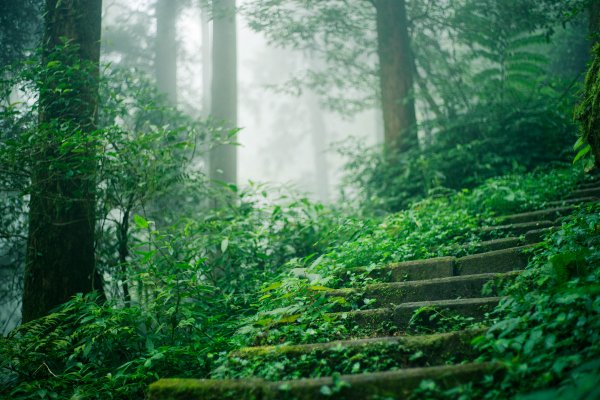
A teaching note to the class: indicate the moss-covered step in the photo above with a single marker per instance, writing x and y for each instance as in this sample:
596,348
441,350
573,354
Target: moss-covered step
589,192
509,257
349,356
514,229
454,287
588,185
369,386
575,201
429,315
431,268
549,214
505,260
498,244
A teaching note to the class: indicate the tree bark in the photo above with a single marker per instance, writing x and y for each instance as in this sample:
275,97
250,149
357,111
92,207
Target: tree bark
223,158
396,75
319,142
165,63
206,61
594,21
60,248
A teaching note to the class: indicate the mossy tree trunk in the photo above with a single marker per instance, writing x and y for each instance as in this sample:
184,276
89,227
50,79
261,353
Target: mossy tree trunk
594,21
396,75
588,111
60,248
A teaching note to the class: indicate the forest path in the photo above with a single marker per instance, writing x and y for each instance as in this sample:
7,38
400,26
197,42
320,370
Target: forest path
453,287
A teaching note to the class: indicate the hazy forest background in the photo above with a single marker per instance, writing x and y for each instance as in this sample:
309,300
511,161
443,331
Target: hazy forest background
180,178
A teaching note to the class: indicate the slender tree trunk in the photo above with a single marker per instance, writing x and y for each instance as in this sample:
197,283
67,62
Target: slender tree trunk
223,158
206,61
60,248
396,75
165,64
319,142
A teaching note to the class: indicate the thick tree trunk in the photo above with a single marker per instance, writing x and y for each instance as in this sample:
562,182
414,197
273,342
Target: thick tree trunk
396,75
60,249
594,22
223,158
165,64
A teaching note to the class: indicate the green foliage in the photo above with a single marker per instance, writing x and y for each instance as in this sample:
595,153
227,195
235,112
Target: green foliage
587,113
293,308
549,325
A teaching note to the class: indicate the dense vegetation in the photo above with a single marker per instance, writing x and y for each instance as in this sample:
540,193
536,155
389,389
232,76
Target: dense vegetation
184,325
189,270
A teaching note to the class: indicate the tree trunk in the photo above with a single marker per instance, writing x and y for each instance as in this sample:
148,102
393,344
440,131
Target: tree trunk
396,75
319,142
60,248
223,158
594,22
206,61
165,64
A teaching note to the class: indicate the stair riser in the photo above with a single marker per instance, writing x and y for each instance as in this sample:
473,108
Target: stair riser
372,355
391,321
496,260
396,384
514,229
548,215
391,294
590,192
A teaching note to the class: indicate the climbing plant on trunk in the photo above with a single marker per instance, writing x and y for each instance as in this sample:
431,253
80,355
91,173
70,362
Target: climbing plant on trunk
60,248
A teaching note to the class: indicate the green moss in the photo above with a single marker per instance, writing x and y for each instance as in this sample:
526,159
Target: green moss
205,389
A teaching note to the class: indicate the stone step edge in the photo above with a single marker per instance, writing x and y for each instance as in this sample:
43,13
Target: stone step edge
574,201
409,341
440,267
360,386
400,315
420,283
537,215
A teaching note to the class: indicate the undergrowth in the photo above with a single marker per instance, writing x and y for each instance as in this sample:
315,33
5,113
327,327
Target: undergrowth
184,322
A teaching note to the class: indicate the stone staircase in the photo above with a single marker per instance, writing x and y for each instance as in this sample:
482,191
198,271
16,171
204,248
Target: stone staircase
451,285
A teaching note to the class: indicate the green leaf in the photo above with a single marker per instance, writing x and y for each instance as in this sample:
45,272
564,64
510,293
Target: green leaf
224,245
141,222
582,153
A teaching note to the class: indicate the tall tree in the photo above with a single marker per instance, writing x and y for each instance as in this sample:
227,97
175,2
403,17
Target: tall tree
165,63
396,74
594,18
60,248
223,158
206,60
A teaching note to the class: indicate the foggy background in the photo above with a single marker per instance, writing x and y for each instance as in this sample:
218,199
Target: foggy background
285,139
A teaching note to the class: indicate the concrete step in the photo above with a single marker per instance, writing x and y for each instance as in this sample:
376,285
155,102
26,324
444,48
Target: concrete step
589,192
454,287
502,260
431,268
514,229
370,386
588,185
567,202
393,320
498,244
549,214
340,356
498,261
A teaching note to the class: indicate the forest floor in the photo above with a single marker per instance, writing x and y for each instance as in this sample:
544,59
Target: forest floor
480,321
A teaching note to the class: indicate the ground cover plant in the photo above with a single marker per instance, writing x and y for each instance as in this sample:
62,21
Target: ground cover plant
185,325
